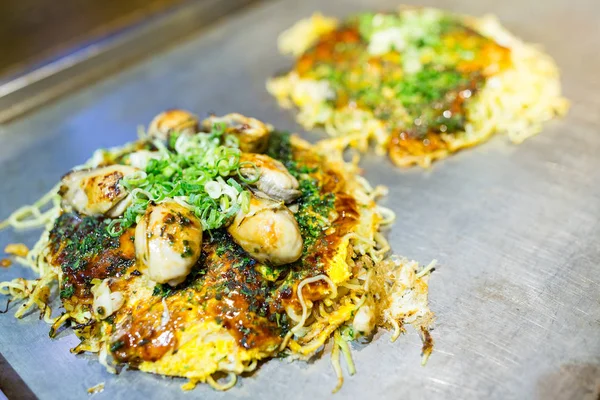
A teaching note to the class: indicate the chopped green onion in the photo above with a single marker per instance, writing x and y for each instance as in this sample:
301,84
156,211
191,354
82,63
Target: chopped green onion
134,180
235,185
192,170
169,171
244,200
254,177
213,189
115,227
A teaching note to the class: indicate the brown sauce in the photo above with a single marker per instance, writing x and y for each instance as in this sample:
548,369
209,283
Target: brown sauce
229,292
345,51
104,257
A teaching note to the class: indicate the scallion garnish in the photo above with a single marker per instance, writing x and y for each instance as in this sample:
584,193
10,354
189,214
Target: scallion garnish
195,171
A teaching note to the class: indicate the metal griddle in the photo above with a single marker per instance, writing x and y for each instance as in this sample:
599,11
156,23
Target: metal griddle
516,229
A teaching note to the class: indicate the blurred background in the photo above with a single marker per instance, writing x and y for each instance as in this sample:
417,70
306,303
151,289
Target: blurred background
35,31
49,48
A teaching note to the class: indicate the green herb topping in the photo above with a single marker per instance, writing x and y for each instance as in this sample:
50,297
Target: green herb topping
413,69
194,169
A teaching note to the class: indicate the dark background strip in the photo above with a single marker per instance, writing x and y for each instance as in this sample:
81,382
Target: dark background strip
89,61
34,30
